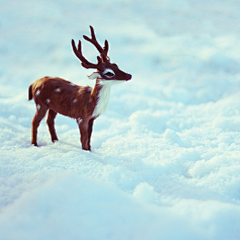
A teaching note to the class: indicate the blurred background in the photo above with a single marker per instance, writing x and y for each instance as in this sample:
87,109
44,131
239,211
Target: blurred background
187,38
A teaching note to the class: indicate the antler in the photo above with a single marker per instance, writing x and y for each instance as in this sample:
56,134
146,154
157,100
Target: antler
103,51
85,62
93,40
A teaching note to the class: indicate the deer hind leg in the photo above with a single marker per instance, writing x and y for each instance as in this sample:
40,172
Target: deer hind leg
41,111
50,122
83,127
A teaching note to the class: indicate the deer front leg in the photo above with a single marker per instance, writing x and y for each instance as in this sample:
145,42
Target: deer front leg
83,127
50,122
41,111
90,127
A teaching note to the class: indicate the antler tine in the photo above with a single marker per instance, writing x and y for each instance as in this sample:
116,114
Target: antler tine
101,50
78,51
106,47
93,40
85,62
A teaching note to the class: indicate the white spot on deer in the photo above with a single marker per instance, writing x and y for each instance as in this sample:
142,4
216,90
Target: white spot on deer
48,101
79,120
38,92
74,101
38,107
57,90
89,89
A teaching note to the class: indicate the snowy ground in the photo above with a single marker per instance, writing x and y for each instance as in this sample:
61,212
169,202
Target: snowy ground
166,155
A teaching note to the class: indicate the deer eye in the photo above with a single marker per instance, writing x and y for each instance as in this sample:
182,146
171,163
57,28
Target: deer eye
109,73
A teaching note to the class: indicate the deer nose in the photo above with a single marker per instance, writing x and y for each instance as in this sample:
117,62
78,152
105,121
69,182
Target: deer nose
128,77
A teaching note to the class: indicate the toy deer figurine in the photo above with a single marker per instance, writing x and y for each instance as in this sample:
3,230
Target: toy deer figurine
56,95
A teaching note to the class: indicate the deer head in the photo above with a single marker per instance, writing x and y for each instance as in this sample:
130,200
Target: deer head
106,71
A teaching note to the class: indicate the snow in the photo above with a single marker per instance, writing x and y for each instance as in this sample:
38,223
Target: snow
165,156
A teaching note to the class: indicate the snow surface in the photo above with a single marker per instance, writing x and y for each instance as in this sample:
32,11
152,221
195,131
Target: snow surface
166,155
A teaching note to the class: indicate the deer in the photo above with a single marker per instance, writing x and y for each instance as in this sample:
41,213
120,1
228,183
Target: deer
82,103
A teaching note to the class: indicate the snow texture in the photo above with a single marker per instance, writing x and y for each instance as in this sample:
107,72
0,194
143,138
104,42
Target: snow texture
165,160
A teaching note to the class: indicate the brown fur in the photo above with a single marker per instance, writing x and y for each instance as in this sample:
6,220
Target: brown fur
56,95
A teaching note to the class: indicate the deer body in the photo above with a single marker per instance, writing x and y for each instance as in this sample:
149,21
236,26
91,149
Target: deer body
57,95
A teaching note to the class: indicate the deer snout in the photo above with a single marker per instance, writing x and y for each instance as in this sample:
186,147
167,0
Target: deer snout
128,77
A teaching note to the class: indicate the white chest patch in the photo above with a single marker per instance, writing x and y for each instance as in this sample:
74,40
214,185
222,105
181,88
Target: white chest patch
103,100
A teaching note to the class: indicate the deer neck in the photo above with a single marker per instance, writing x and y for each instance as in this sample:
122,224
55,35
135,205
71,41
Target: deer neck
101,95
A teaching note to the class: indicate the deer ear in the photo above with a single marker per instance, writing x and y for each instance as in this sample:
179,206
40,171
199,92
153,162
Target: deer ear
94,76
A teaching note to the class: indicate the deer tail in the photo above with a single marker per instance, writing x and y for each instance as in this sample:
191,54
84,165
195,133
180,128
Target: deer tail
30,95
